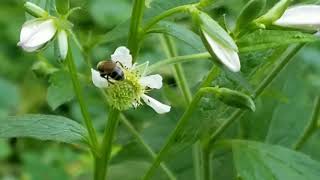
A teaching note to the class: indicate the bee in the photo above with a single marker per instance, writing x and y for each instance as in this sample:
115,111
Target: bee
109,69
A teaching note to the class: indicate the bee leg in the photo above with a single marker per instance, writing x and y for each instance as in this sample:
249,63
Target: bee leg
121,64
109,80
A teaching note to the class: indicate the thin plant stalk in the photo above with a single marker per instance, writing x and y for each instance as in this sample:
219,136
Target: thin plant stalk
106,146
79,94
135,25
311,127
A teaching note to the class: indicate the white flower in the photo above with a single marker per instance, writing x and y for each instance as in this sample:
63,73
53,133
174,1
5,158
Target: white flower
36,33
226,56
306,17
136,80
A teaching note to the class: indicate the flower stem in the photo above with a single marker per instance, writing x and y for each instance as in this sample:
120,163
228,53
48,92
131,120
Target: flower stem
311,127
265,83
178,59
79,94
156,19
181,123
106,147
134,132
171,51
135,25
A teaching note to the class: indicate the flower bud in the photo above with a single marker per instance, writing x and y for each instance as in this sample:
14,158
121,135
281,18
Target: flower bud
274,13
305,17
62,39
36,33
235,99
250,12
62,6
35,10
217,41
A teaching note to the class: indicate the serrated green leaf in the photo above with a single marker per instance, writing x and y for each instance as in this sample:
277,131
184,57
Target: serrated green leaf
60,90
181,33
254,160
266,39
43,127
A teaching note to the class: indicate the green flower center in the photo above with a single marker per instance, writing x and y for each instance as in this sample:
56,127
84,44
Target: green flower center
122,94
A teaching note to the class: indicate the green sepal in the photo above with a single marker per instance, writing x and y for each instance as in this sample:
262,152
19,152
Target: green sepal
35,10
235,99
274,13
215,31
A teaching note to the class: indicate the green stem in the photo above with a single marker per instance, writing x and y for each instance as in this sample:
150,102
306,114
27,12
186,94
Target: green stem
311,127
178,59
171,51
181,123
156,19
205,156
265,83
106,147
135,25
212,75
135,133
79,94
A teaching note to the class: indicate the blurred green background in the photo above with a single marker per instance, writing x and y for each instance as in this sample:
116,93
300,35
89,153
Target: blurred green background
282,111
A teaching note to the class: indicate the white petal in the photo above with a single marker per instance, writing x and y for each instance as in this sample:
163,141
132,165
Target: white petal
97,80
152,81
63,44
37,33
122,55
31,49
227,56
303,17
156,105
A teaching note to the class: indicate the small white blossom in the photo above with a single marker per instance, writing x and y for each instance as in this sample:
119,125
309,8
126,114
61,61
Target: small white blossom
226,56
36,33
305,17
142,83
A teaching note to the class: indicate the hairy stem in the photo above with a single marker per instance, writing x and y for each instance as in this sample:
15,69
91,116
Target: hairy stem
79,94
135,25
311,127
106,147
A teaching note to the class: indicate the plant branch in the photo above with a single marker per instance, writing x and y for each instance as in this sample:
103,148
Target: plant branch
311,127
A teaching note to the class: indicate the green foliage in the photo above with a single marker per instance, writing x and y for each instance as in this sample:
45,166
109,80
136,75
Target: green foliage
60,90
180,32
255,160
43,127
266,39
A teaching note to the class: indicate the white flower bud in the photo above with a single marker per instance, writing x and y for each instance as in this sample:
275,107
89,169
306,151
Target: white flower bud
306,17
63,44
36,33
